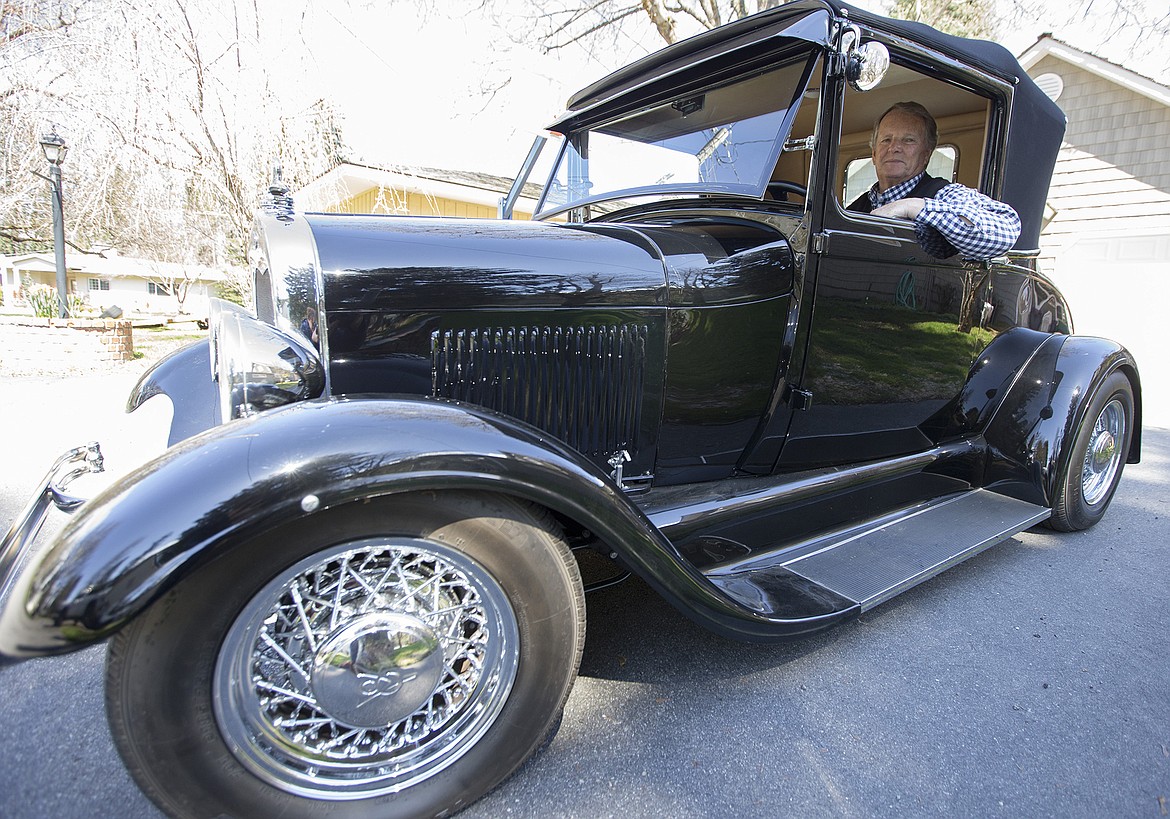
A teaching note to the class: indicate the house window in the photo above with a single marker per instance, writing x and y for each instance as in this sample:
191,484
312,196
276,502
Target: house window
157,289
99,284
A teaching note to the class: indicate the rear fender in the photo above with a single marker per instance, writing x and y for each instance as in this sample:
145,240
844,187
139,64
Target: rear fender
1030,436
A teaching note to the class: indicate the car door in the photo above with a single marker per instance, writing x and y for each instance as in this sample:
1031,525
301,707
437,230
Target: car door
892,331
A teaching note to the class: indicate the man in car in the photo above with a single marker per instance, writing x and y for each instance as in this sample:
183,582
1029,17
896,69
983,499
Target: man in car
949,218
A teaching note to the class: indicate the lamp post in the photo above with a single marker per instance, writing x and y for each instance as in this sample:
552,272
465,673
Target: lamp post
55,150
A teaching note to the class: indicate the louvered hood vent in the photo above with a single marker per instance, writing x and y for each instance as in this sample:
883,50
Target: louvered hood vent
581,384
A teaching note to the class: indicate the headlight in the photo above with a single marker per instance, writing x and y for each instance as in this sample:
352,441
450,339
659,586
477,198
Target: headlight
257,366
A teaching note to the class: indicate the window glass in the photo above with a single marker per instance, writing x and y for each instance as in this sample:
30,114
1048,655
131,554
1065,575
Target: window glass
721,140
860,174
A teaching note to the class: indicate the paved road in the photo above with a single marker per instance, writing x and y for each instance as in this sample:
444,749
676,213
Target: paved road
1030,681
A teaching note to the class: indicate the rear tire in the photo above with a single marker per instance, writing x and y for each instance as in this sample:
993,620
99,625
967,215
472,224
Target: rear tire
398,657
1093,467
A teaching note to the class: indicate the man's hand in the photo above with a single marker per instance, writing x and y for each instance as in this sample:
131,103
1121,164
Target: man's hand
901,209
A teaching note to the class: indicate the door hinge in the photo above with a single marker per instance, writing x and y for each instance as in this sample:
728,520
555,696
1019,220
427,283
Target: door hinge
797,398
819,241
805,144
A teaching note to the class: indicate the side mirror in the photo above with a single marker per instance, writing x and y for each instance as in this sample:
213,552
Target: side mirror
866,65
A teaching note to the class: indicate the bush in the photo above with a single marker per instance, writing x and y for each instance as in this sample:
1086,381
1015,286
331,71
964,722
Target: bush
43,300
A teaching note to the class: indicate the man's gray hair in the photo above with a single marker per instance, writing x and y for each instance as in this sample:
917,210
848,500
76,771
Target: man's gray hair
914,109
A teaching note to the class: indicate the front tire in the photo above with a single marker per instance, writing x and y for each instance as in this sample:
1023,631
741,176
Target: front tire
1093,467
398,657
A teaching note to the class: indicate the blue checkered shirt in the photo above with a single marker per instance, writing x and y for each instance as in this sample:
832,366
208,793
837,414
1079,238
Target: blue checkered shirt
957,220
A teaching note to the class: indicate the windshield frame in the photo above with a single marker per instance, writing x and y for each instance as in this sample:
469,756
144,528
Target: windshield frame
796,53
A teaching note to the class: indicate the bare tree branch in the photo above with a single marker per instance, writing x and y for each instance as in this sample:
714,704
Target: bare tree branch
171,119
590,31
661,20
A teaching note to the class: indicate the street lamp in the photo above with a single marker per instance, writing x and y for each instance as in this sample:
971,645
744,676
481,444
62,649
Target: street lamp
55,150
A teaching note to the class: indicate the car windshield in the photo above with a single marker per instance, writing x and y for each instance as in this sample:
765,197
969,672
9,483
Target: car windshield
723,140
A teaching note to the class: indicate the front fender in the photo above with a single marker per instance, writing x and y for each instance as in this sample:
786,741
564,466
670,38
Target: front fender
143,535
184,376
1030,436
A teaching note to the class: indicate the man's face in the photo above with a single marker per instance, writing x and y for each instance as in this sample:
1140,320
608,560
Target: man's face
900,151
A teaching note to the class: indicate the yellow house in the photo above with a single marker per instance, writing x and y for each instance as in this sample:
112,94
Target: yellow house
411,191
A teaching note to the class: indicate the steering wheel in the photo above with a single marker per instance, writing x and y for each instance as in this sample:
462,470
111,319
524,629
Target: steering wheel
780,190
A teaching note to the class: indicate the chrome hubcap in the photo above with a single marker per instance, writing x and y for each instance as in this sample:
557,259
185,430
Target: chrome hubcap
1103,456
1103,450
377,669
366,668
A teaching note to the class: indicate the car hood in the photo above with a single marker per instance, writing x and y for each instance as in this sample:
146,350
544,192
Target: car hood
396,264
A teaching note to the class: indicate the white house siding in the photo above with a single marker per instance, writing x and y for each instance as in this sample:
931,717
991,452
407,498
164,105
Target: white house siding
1108,246
124,283
1113,164
133,295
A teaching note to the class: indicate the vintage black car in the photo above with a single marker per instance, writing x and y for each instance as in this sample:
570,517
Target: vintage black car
355,577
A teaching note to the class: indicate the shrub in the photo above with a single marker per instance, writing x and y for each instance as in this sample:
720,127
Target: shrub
43,300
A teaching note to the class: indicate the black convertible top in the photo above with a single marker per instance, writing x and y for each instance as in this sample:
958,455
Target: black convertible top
1035,125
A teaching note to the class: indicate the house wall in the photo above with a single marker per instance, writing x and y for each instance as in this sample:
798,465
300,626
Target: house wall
130,293
1112,171
133,295
1108,246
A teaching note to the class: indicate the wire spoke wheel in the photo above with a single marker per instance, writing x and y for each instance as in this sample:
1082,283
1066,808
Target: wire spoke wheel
1095,457
366,667
1103,454
395,657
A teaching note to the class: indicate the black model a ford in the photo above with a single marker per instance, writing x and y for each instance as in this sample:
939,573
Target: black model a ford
352,583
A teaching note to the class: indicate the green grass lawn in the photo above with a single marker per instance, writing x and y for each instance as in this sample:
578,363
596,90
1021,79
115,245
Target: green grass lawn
152,343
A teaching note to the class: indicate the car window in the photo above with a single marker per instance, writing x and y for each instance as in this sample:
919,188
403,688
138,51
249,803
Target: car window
962,115
719,140
860,174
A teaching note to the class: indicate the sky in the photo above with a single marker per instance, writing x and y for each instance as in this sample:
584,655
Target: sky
411,88
410,81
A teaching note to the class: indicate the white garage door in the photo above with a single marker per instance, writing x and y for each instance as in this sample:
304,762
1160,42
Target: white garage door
1118,285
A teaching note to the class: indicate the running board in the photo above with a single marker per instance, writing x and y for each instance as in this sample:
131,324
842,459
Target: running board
870,565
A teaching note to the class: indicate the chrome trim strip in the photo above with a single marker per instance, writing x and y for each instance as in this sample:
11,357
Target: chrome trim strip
674,521
16,545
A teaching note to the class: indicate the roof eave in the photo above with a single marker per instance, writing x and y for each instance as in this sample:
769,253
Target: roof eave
1049,46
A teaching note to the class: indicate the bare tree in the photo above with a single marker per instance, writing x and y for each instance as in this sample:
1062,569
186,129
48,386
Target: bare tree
174,280
29,30
174,111
1138,28
1132,33
969,18
564,22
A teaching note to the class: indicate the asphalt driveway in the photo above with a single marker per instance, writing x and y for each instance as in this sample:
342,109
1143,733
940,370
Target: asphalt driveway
1030,681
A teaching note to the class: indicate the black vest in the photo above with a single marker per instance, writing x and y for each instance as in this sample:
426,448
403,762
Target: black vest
927,187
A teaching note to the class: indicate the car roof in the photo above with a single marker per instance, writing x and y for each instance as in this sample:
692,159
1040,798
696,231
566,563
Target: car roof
1035,123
